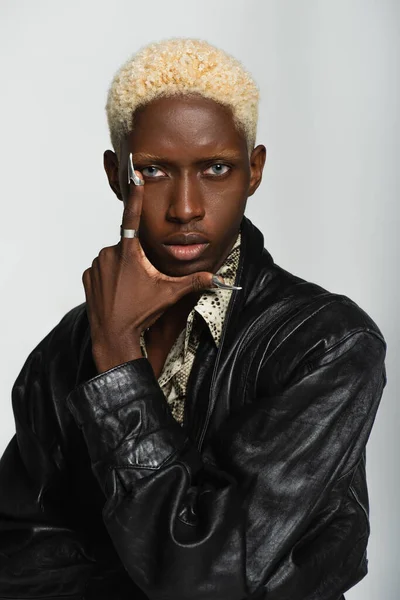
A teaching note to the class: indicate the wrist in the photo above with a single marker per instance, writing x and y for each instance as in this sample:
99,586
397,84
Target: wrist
109,355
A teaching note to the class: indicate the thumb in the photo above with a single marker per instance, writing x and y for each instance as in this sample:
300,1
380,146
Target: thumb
196,282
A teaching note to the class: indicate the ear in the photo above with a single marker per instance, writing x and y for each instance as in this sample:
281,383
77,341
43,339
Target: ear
257,162
111,167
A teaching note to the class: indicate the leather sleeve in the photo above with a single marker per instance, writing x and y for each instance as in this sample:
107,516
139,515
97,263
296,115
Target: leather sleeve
41,554
235,528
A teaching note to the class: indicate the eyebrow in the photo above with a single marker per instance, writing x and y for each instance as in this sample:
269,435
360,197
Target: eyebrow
139,157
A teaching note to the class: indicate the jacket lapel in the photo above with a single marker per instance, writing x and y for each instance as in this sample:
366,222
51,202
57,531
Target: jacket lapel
205,376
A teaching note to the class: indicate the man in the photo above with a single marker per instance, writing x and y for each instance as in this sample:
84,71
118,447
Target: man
180,435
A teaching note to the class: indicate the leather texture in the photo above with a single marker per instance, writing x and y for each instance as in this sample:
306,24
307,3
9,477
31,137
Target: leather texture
260,494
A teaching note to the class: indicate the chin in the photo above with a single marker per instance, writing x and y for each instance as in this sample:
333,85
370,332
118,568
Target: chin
183,268
179,268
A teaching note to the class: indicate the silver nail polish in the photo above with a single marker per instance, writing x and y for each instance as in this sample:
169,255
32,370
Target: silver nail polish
131,173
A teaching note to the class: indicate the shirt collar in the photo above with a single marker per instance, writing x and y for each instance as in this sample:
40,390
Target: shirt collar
212,305
213,302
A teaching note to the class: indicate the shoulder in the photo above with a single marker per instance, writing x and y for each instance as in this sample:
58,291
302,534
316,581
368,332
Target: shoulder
280,303
59,351
68,334
300,305
47,376
71,330
301,323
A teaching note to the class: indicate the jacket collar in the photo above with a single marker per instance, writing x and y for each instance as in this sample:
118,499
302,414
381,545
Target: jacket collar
253,262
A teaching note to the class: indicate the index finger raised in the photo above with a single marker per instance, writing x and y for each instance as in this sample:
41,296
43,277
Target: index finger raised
133,205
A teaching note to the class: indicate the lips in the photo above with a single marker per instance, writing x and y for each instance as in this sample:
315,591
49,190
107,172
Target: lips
185,251
186,246
186,239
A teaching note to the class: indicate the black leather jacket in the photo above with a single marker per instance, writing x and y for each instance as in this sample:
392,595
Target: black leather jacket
261,494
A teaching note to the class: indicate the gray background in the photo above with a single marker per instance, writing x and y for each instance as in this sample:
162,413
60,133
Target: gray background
329,78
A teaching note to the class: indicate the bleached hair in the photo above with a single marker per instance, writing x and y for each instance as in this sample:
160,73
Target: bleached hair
181,66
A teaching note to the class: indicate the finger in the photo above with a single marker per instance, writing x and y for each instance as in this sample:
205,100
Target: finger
196,282
87,286
86,278
133,206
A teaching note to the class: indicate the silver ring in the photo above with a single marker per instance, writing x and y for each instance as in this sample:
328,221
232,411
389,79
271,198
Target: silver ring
129,233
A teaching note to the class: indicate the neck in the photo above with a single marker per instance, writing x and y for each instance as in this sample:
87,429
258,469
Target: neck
173,320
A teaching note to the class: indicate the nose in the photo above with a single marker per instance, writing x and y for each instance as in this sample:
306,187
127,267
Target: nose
186,203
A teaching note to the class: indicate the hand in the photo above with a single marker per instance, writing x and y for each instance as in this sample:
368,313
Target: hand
126,294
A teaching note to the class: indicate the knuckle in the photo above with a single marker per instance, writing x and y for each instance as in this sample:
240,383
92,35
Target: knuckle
126,256
86,275
197,283
131,212
125,259
106,252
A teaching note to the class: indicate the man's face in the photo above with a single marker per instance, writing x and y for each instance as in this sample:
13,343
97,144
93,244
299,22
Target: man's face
197,176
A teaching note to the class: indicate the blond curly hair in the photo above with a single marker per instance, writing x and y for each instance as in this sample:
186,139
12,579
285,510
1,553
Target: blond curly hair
181,66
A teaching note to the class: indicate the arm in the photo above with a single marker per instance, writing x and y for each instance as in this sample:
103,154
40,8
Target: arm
185,528
41,554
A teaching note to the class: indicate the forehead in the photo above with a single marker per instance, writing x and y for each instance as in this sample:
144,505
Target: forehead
187,123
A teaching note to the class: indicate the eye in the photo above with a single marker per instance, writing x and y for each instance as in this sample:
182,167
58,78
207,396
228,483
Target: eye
152,172
217,169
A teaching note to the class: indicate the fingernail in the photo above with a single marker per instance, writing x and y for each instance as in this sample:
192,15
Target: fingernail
216,280
132,175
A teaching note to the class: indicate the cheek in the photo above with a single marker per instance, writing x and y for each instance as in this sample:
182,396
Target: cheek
231,192
154,206
227,206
